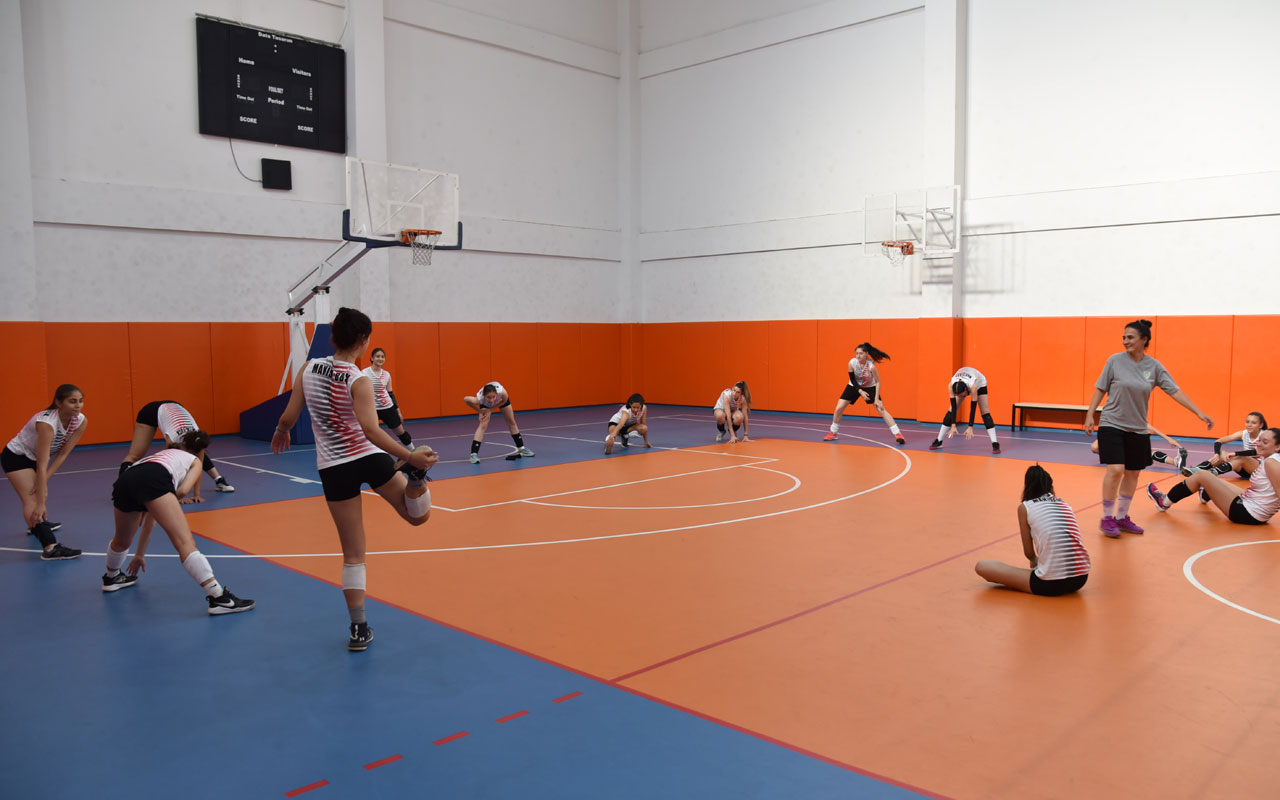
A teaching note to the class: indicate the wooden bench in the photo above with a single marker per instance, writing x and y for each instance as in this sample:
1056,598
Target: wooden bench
1018,417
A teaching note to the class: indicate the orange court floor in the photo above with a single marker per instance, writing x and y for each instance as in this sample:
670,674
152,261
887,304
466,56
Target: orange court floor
821,598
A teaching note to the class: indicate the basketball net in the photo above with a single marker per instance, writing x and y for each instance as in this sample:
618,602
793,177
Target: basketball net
896,252
422,243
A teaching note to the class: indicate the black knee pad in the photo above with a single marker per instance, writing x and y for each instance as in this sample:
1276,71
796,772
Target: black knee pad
949,419
989,421
206,463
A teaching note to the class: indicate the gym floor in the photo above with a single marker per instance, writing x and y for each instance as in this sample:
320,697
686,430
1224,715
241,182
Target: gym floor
784,618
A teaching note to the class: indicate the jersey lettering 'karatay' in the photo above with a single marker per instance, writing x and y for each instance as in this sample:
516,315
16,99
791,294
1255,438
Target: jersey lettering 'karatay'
862,375
25,442
381,387
1260,499
175,421
326,386
176,461
1056,535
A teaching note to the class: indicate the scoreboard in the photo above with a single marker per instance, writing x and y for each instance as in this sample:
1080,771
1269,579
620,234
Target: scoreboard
268,86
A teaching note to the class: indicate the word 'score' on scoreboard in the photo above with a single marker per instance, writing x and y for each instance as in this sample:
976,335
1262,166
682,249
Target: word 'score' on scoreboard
268,86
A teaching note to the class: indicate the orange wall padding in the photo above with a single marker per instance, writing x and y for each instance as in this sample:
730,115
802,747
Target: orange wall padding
219,369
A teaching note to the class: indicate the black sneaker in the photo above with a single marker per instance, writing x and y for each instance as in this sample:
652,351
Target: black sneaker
361,635
228,603
936,444
1182,458
1223,468
995,447
122,580
59,553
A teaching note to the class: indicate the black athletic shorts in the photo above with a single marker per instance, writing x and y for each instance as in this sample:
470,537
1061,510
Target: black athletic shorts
12,462
1059,587
343,481
853,395
390,417
1122,447
150,413
1241,516
139,485
623,431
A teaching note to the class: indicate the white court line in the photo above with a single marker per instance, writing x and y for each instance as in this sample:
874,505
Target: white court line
1190,576
906,468
796,484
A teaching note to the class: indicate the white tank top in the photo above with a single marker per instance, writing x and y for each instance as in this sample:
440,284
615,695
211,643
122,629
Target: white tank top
861,375
1260,498
502,395
617,417
970,377
326,386
726,401
25,442
175,421
381,387
175,460
1249,442
1056,535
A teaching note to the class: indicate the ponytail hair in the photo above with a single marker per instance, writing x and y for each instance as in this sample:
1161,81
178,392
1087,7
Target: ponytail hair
195,441
1258,414
349,327
877,355
1143,327
67,389
1036,483
746,393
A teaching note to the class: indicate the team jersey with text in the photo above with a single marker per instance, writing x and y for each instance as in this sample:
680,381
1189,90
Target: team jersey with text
862,375
25,442
381,388
175,421
969,377
176,461
1260,499
326,386
1056,535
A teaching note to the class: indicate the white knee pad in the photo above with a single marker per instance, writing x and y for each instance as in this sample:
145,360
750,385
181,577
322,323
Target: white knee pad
418,506
353,576
197,566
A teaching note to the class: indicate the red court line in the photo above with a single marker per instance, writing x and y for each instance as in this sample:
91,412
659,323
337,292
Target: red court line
452,738
510,717
383,762
803,613
306,788
567,697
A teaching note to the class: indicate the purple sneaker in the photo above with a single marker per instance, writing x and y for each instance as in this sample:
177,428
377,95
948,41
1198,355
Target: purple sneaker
1110,528
1127,525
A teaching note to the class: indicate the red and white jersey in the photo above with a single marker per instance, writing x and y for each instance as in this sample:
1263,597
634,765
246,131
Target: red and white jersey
1055,533
25,442
969,377
381,387
1248,442
502,395
727,403
175,421
862,375
633,420
326,386
178,462
1260,499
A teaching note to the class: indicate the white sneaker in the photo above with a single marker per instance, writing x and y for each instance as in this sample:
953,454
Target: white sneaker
719,438
474,458
223,486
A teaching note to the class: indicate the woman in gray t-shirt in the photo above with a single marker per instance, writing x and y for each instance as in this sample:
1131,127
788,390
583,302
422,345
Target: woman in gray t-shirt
1124,446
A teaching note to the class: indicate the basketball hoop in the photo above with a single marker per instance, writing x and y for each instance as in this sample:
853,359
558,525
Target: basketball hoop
422,242
896,252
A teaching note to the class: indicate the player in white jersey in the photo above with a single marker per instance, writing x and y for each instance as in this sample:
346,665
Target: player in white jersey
1050,541
33,456
494,397
864,382
967,382
352,450
1244,460
733,407
631,418
172,421
1253,505
384,399
152,487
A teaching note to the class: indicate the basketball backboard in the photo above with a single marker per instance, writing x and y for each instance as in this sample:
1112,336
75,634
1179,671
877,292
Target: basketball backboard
385,199
928,218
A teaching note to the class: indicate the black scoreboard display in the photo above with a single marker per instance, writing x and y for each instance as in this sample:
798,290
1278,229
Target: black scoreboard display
269,86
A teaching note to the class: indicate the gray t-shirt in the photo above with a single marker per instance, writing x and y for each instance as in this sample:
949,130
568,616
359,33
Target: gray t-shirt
1128,385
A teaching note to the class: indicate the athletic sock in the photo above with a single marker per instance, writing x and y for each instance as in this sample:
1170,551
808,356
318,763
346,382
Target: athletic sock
942,431
835,427
418,505
894,430
720,427
475,446
406,439
991,432
518,439
1108,508
115,561
1122,506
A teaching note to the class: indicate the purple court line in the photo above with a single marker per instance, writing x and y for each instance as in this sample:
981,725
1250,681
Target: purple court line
799,614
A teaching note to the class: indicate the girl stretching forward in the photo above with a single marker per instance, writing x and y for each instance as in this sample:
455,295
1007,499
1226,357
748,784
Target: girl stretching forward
733,407
34,455
628,420
864,382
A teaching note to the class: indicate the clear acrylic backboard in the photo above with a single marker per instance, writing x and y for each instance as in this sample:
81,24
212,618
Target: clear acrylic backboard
928,218
385,199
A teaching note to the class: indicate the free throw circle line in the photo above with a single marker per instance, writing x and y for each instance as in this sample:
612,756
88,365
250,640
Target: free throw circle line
1188,572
